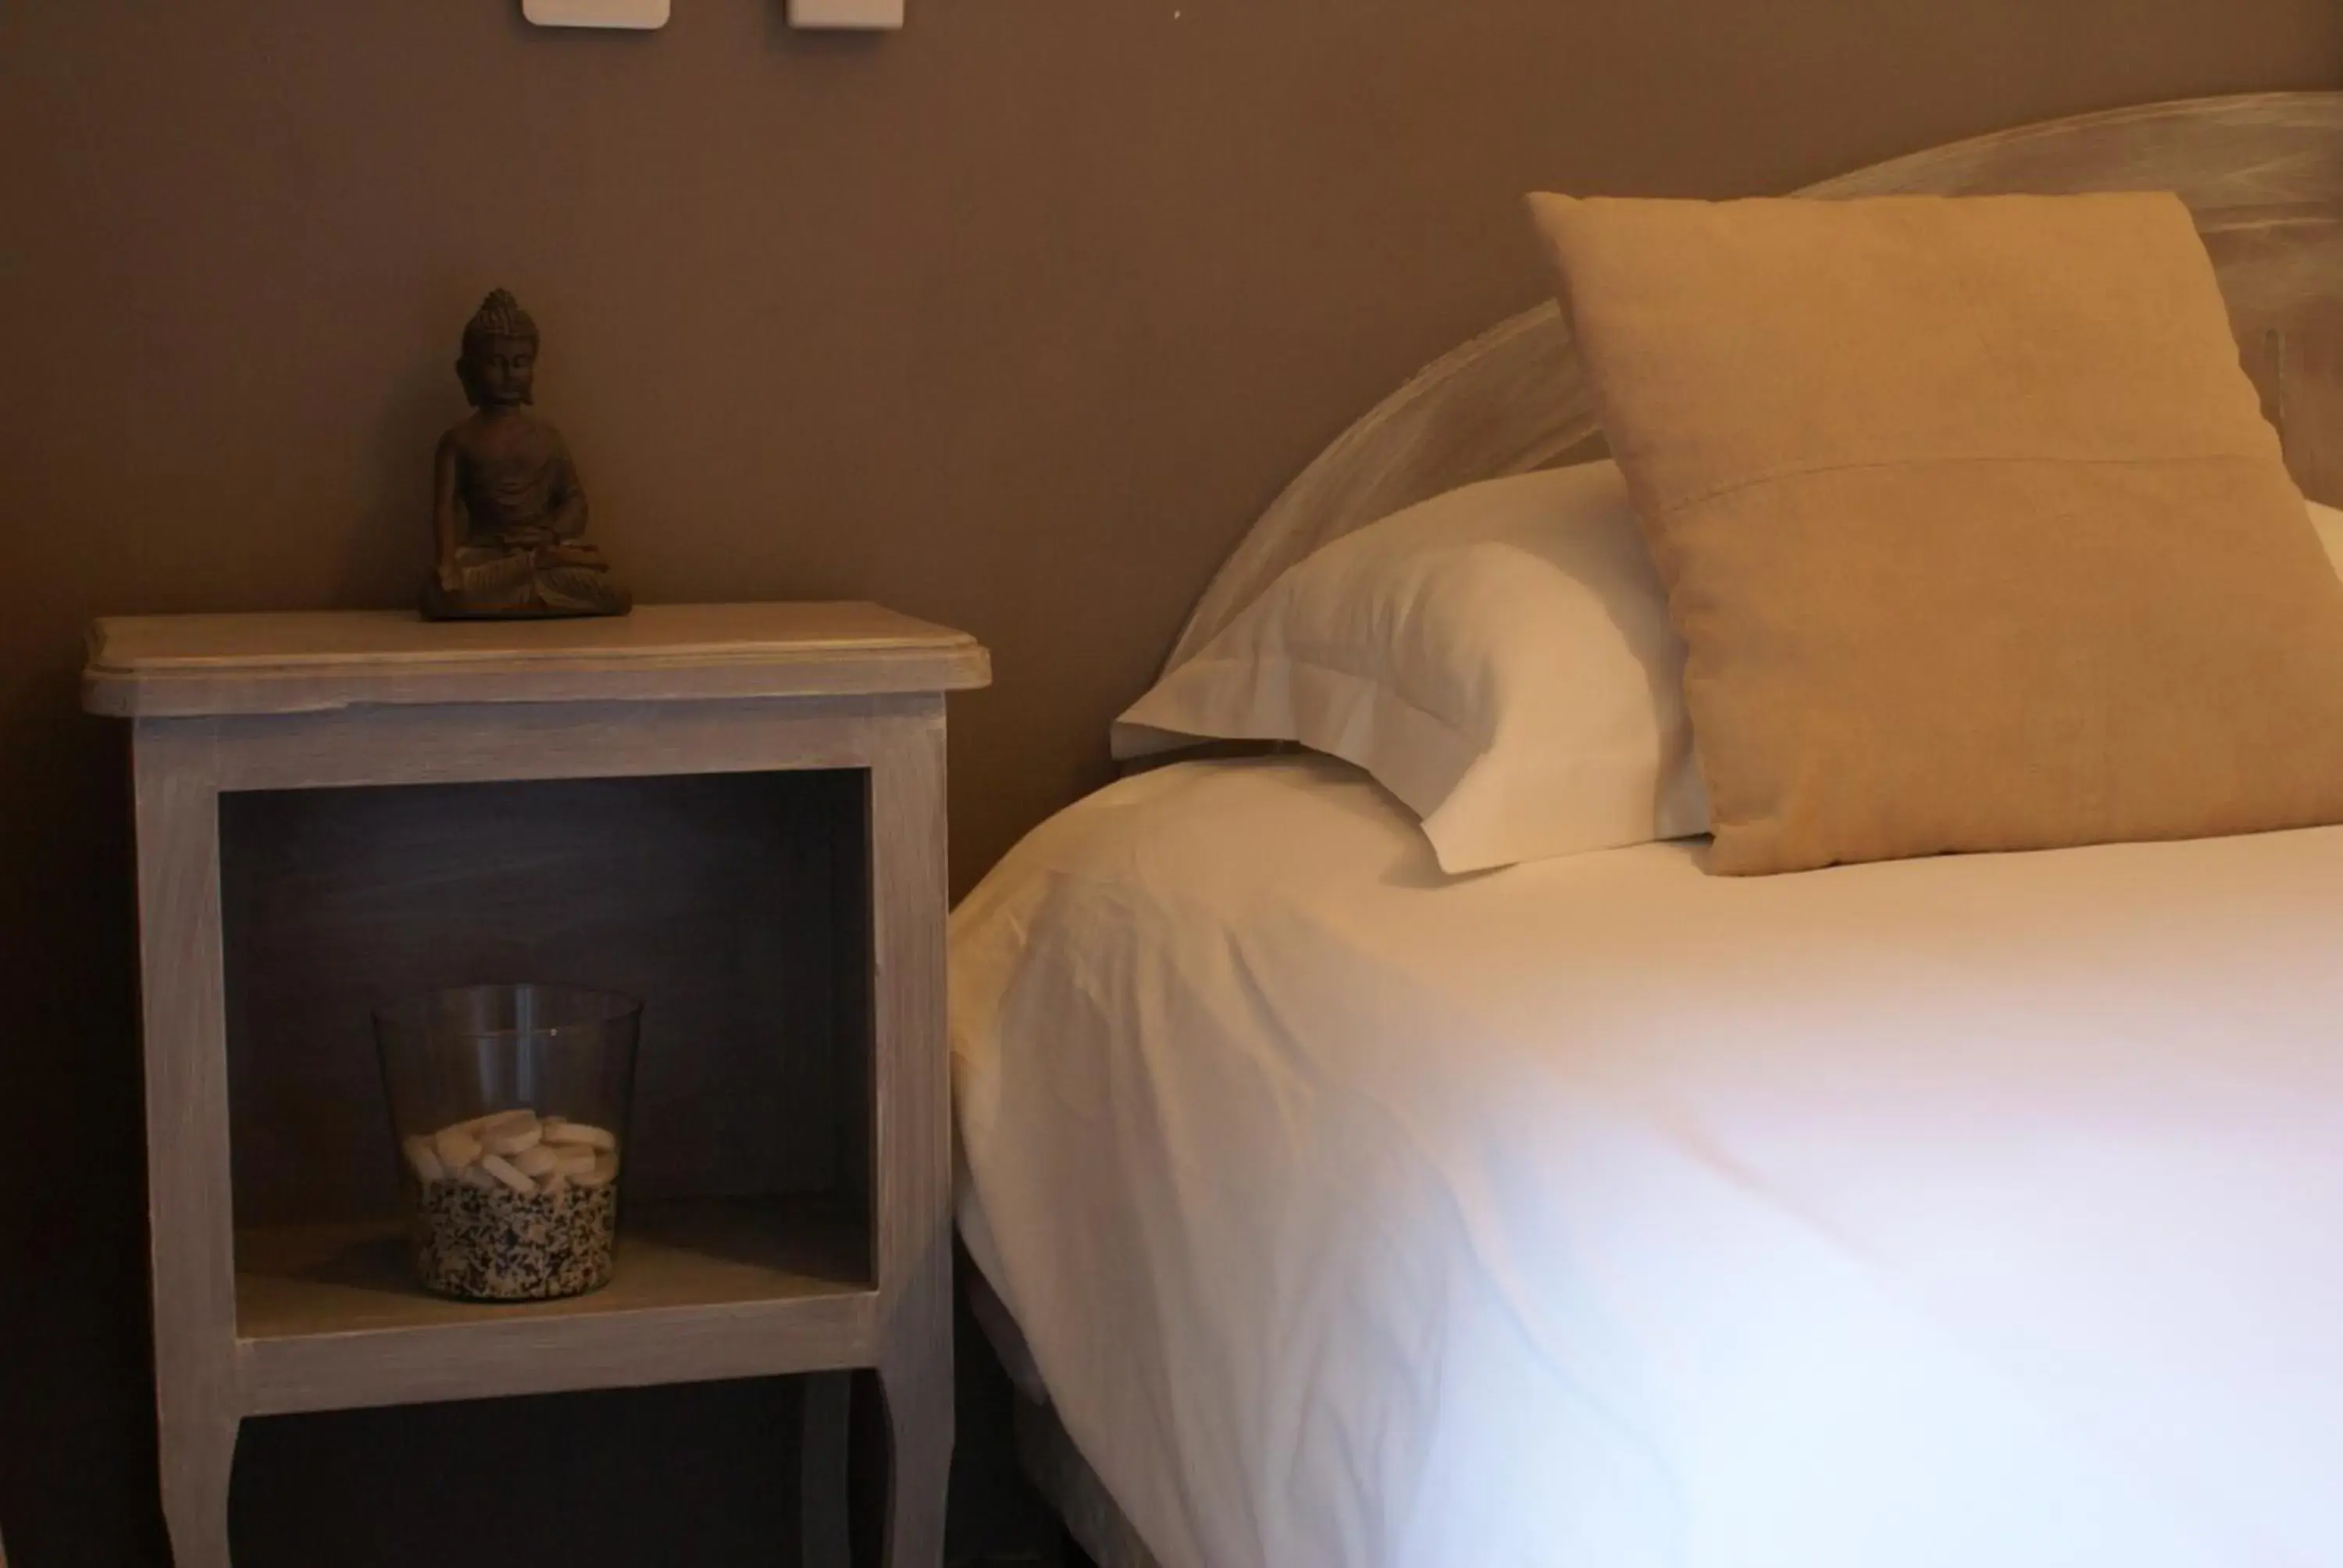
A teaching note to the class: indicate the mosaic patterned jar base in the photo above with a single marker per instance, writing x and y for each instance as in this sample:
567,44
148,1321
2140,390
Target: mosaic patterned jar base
498,1245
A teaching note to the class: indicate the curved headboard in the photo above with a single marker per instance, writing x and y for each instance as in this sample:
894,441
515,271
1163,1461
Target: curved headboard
2262,174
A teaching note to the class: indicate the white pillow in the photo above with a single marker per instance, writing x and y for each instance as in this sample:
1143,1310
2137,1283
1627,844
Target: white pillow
1499,657
2329,524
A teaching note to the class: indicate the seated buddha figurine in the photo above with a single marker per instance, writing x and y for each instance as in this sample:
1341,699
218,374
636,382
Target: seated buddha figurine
508,513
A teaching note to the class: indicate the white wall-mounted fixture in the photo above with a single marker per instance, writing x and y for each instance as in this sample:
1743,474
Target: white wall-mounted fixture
596,12
846,13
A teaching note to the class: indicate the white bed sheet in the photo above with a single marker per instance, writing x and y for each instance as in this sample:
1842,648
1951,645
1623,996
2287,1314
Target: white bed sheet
1981,1212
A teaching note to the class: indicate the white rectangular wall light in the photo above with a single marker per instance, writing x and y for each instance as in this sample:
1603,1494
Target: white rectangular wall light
596,12
846,13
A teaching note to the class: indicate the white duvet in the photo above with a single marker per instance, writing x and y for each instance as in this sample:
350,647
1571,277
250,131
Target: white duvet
1982,1213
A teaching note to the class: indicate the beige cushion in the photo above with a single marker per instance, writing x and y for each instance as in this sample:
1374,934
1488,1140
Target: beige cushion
1968,518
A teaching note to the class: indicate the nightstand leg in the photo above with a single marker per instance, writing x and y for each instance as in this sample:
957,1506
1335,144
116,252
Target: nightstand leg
919,1398
190,1204
199,1456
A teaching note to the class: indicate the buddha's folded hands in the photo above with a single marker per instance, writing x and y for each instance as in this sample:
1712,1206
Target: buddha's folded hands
574,555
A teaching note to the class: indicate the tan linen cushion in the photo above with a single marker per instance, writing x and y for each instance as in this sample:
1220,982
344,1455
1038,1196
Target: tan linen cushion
1968,518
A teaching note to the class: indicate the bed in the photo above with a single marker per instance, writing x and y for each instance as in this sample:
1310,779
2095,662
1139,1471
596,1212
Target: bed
1330,1209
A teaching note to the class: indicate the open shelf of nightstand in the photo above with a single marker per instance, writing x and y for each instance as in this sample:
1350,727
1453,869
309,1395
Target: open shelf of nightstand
328,1317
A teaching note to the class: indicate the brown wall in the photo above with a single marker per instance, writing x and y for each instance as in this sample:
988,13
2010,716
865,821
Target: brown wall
1013,320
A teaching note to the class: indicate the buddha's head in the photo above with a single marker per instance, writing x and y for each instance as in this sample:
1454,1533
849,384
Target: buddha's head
498,367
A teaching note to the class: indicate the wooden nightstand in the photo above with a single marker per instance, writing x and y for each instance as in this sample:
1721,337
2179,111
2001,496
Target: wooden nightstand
735,812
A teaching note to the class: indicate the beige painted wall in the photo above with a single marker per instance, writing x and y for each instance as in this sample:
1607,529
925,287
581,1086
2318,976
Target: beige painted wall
1012,320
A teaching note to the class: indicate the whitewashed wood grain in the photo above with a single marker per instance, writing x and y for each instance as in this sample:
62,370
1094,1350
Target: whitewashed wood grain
913,1149
157,665
269,1320
190,1215
478,743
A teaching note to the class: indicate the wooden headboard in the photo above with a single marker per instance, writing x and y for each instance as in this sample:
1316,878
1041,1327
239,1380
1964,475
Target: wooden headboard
2262,174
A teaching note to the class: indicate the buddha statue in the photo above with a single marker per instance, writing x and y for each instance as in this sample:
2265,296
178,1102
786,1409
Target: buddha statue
507,511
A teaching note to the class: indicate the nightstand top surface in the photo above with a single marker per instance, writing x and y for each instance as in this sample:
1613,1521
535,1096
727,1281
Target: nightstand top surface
191,665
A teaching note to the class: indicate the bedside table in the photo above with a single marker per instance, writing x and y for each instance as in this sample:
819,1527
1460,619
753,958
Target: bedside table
734,812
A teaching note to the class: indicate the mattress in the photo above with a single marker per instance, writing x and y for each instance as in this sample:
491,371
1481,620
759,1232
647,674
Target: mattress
1602,1213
